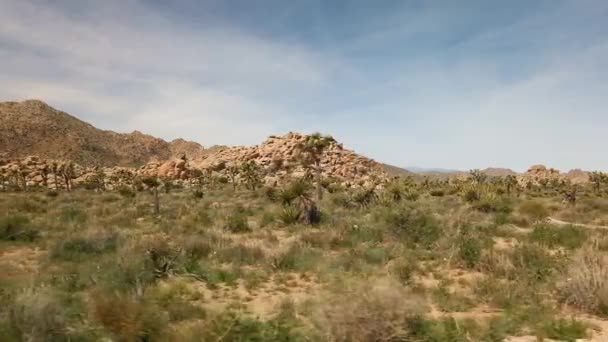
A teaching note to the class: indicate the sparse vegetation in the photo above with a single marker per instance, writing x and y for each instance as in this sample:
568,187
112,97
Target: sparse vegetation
428,260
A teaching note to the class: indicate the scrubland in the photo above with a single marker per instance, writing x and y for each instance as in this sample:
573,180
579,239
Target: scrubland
411,261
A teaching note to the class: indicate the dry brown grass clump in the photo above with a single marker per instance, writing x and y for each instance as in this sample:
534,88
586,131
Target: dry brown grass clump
369,312
586,285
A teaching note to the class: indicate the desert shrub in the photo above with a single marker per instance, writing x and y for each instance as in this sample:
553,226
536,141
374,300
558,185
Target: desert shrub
40,314
469,251
125,191
379,311
128,319
571,237
363,197
198,194
586,281
534,262
450,301
404,270
496,205
236,222
289,215
230,326
197,247
564,330
72,214
471,196
534,210
437,192
52,193
271,193
378,255
241,254
268,218
296,258
412,225
341,199
411,195
17,228
77,247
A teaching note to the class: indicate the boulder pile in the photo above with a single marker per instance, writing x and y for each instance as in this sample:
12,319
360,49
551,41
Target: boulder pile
278,159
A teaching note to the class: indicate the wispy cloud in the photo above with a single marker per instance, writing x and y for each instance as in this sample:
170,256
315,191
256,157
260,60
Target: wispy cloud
459,85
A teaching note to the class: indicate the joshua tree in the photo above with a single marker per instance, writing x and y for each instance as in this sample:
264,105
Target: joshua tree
233,173
598,178
510,183
55,170
153,183
67,171
478,176
44,172
570,196
312,151
251,173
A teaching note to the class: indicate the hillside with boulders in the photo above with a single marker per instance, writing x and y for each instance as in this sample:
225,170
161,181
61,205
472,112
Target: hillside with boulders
32,127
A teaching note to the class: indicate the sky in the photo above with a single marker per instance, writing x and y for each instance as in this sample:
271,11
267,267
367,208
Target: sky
452,84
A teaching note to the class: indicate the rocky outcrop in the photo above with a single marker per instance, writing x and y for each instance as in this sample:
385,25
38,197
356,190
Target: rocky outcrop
278,160
278,157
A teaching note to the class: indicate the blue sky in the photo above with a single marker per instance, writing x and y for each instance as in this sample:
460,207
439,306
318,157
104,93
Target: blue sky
455,84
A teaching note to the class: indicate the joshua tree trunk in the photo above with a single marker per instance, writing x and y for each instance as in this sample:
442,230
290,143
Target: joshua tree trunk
318,180
156,202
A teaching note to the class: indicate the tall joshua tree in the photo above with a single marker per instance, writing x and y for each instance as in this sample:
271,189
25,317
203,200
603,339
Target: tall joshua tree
312,151
68,173
598,178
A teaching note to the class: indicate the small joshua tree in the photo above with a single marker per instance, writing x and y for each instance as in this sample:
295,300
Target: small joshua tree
251,173
312,152
233,174
55,170
153,183
68,173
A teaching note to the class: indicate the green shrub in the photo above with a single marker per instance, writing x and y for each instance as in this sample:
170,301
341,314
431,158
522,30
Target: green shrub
125,191
236,222
17,228
535,210
499,206
565,330
268,219
241,255
571,237
412,225
77,247
534,262
289,215
297,258
198,194
73,215
585,283
52,193
437,193
469,251
471,196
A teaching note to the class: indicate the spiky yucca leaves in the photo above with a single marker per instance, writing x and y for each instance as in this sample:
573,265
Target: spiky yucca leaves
311,152
297,195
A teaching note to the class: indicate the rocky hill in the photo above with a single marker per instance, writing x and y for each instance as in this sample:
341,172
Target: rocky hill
34,128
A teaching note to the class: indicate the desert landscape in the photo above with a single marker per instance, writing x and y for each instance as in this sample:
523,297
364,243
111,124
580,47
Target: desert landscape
110,236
